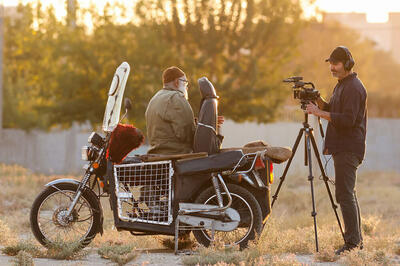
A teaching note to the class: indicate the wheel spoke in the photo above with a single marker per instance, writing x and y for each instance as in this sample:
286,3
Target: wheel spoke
79,231
55,206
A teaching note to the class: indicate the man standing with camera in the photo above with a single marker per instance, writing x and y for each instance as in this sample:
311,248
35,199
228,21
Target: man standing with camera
345,139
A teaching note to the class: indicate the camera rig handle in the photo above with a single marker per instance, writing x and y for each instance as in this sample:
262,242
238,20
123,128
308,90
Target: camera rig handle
298,83
301,84
293,79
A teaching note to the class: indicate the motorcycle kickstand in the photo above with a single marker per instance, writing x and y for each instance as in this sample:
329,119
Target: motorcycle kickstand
176,235
212,233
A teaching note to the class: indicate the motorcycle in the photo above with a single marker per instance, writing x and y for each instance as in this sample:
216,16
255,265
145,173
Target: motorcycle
215,193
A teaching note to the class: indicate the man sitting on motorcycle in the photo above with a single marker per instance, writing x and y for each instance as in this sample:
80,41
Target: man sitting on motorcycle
170,122
169,116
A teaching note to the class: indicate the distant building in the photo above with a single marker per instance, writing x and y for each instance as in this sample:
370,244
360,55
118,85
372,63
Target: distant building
385,35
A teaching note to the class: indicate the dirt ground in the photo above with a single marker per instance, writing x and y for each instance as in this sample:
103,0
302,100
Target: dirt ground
147,257
150,257
287,239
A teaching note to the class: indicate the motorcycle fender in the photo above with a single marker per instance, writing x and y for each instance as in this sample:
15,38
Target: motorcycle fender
54,183
62,180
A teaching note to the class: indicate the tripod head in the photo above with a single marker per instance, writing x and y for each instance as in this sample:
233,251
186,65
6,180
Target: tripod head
306,93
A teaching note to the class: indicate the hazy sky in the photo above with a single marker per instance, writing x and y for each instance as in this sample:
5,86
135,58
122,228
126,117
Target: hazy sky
377,11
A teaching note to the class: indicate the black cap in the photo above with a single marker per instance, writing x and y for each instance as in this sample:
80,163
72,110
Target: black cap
338,55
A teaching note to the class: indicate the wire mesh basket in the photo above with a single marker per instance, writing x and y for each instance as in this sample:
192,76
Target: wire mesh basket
144,192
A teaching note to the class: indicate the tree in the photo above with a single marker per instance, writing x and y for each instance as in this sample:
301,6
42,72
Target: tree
241,46
56,74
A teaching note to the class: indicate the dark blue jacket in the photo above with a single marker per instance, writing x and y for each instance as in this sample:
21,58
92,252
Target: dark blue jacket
348,108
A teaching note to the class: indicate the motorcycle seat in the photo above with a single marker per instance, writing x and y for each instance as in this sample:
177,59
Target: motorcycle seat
211,164
276,154
167,157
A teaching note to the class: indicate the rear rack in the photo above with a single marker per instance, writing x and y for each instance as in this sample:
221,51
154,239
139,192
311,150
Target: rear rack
250,157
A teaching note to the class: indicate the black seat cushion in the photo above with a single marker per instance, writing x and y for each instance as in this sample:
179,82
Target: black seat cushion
132,159
211,164
207,138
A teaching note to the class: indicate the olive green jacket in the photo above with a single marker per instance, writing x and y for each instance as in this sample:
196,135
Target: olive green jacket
170,123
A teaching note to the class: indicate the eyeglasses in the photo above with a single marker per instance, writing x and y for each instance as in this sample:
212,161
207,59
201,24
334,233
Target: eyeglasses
184,81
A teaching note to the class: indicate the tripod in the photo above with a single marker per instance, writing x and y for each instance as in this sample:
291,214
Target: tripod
308,141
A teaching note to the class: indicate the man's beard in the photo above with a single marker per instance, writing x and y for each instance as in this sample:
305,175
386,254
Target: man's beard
182,88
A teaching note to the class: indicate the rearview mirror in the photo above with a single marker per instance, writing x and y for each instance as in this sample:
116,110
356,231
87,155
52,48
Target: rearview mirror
128,104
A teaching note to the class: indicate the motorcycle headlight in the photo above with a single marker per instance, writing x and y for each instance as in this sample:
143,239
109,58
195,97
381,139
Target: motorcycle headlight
96,140
84,153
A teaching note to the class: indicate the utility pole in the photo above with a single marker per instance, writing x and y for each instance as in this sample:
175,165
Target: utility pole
1,64
71,13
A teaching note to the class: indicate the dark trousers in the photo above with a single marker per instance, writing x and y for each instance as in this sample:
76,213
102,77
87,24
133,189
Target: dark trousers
346,164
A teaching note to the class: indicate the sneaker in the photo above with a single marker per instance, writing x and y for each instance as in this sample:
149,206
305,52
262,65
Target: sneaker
346,247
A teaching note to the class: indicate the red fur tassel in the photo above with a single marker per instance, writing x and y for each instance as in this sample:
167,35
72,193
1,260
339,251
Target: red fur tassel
124,139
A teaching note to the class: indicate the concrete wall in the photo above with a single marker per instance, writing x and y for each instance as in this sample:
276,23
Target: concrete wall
58,152
383,143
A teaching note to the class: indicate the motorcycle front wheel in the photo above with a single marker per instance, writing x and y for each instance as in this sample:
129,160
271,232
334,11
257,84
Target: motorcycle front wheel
49,221
250,217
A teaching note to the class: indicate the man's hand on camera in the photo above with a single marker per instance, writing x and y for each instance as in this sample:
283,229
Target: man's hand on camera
313,109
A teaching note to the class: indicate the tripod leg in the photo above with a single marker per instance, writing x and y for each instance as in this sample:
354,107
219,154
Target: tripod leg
311,179
325,178
296,144
305,150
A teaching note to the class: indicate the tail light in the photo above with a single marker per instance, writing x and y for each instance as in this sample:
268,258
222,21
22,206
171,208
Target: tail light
271,172
260,164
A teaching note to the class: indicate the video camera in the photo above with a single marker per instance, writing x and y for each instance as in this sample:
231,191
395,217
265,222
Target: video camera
304,91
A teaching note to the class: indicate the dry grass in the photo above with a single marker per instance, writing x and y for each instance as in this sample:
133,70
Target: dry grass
19,188
6,235
23,259
184,243
25,246
378,194
289,231
326,254
370,224
120,254
217,255
57,250
60,250
361,257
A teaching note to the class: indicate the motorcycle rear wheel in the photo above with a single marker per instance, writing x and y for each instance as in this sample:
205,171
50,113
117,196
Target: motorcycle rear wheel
250,217
49,223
